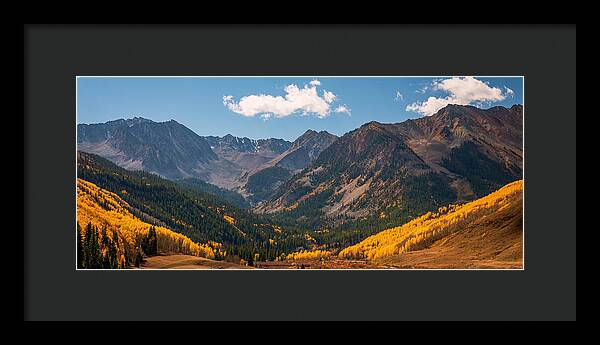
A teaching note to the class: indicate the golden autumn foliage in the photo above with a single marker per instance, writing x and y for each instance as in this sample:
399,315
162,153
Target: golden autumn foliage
432,226
309,238
312,254
104,209
229,219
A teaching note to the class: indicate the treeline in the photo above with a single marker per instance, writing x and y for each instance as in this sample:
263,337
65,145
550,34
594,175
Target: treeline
232,197
262,183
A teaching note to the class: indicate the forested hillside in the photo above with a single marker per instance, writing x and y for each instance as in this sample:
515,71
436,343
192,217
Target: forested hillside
200,216
230,196
110,236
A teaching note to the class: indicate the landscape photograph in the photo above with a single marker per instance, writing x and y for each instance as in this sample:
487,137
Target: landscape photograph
299,172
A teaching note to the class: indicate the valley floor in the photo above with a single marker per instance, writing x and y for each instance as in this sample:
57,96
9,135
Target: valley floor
317,264
436,257
180,261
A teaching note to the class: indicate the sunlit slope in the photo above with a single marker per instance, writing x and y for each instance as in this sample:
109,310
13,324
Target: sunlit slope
102,209
477,233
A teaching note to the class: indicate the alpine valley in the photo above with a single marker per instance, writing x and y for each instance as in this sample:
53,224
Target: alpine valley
441,191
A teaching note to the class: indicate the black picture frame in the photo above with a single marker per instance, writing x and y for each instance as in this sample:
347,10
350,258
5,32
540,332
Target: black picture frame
54,55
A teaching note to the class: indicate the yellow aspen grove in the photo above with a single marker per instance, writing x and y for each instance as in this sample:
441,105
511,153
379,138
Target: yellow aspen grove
432,226
229,219
305,254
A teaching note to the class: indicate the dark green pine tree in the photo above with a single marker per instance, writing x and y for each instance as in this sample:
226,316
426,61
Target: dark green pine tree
149,242
104,259
92,247
113,250
152,241
87,246
96,253
80,256
138,257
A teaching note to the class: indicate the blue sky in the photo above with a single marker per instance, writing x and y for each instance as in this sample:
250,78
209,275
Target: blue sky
284,107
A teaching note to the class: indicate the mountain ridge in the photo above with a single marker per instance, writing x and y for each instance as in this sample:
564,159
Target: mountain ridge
171,150
168,148
458,154
461,146
262,181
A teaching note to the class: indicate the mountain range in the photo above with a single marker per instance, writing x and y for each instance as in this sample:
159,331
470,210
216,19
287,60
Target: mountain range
253,168
407,168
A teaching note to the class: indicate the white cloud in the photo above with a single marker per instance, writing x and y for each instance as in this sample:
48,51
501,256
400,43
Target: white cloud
423,89
329,96
428,107
461,91
342,109
399,96
509,92
305,100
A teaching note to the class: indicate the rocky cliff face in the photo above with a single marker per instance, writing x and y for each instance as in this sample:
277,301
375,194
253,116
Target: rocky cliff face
168,149
248,154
